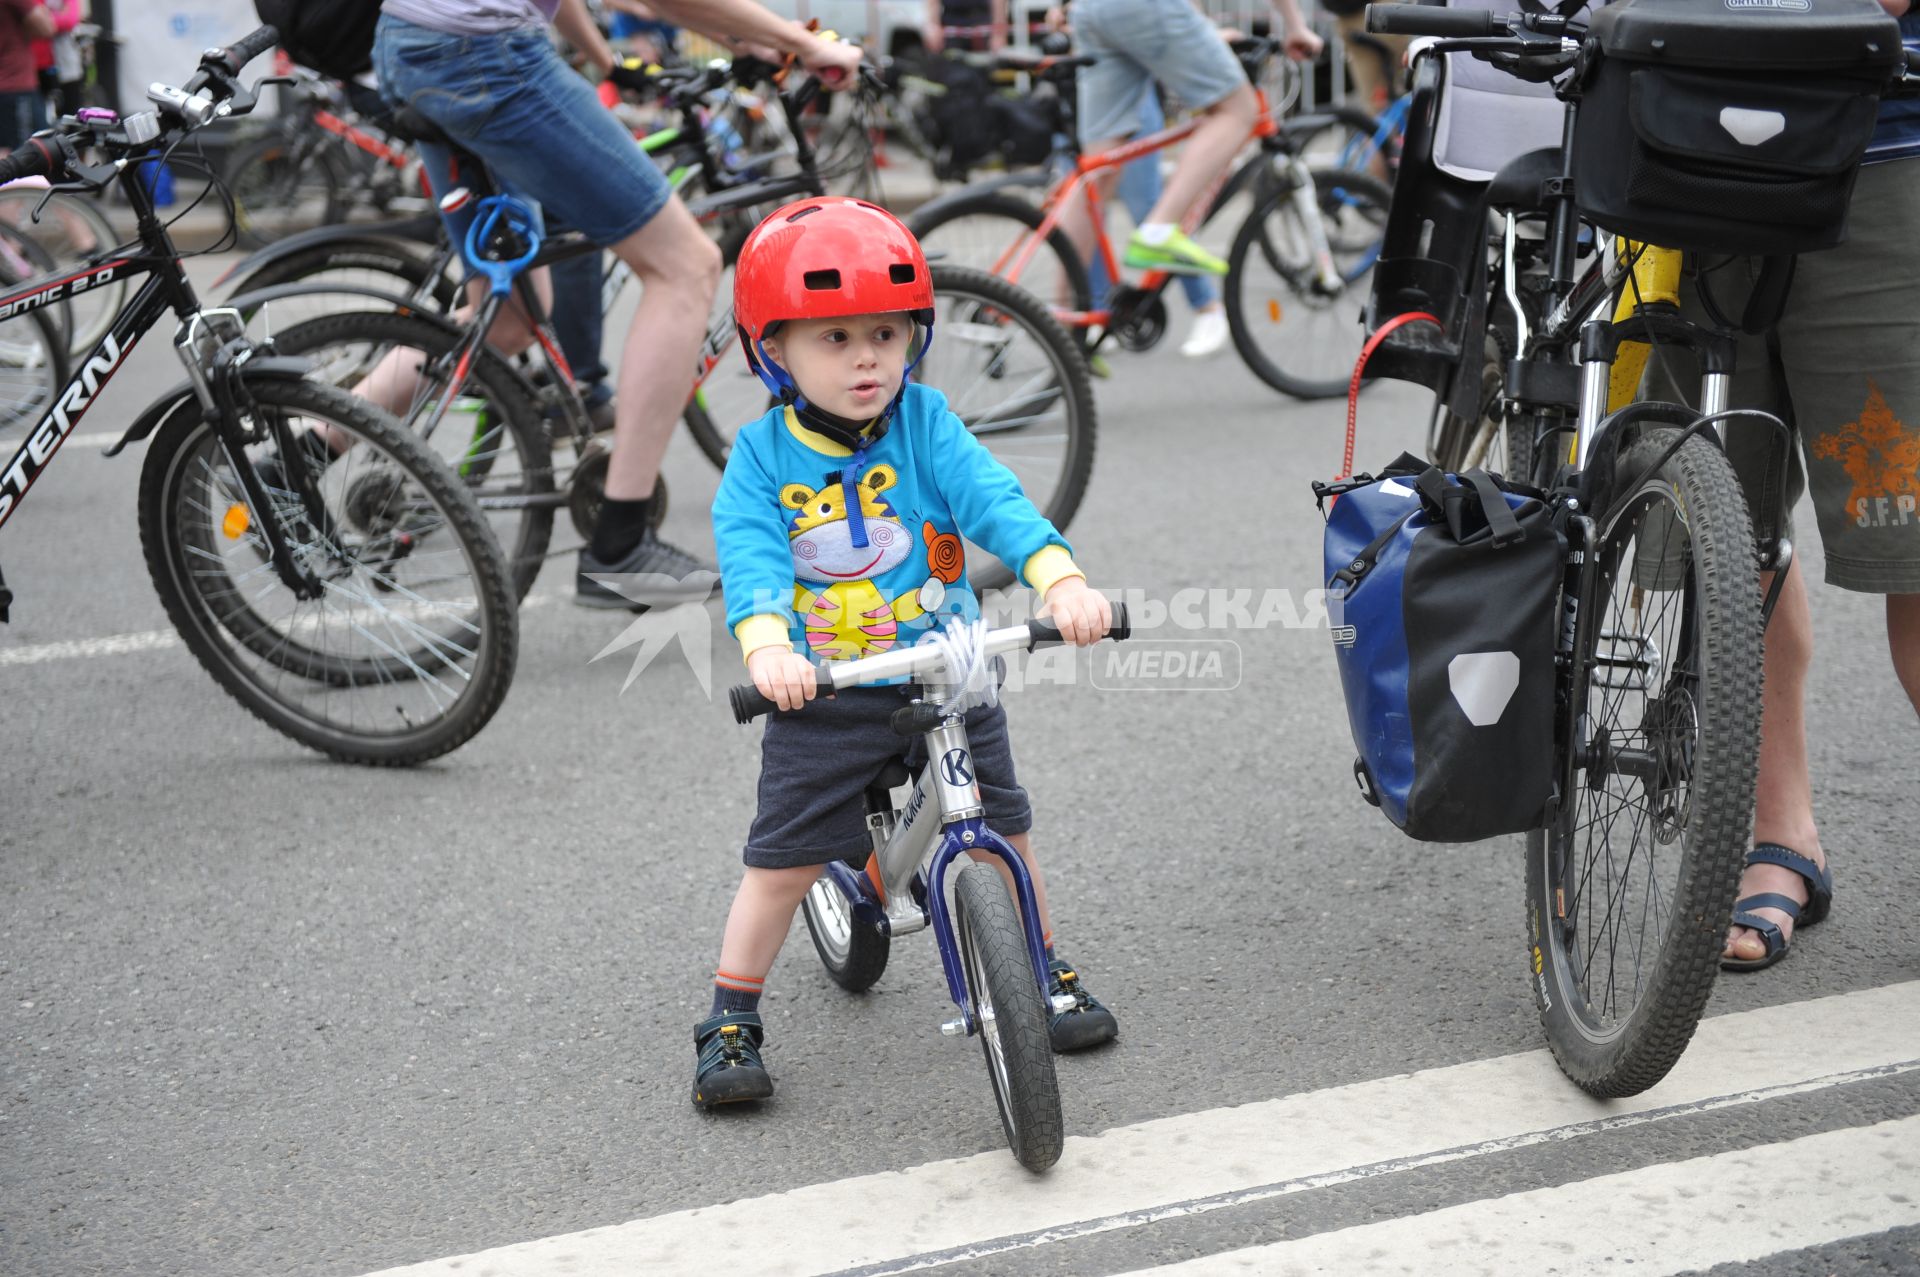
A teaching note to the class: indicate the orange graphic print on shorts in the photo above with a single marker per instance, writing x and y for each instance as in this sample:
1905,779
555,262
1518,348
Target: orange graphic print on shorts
1881,456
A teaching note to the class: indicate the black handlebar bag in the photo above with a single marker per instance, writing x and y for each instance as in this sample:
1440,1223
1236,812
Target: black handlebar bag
1729,126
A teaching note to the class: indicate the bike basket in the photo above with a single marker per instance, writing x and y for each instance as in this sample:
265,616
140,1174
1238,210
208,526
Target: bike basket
1729,127
1441,593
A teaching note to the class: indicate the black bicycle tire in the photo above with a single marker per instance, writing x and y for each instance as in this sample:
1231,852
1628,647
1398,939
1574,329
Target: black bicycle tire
1353,118
993,953
929,217
493,672
1083,420
260,151
1724,606
504,387
1244,240
401,259
868,948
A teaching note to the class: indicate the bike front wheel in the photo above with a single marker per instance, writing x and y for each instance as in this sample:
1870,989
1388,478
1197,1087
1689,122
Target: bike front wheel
1297,333
1010,1016
1630,889
407,648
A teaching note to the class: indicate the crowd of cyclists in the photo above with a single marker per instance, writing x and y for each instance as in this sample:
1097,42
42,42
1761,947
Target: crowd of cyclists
489,78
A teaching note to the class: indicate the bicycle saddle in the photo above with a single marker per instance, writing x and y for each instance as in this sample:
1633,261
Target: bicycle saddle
415,127
1519,185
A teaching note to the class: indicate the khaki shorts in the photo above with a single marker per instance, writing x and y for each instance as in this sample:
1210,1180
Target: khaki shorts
1842,368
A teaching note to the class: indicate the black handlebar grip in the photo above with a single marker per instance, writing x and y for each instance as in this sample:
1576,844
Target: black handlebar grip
748,703
246,49
1039,631
1413,19
33,158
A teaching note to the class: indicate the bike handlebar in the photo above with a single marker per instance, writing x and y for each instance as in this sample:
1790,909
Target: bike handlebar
242,51
1411,19
749,703
33,158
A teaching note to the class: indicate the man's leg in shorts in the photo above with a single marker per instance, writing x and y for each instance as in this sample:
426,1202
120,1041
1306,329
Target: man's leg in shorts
679,269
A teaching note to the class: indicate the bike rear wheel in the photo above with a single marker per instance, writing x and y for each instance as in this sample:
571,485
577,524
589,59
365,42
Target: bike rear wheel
1010,1015
409,648
392,266
854,953
492,434
1000,233
1294,334
282,183
33,370
70,231
1630,890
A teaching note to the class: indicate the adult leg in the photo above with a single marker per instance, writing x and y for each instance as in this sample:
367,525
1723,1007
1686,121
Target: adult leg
1903,639
679,270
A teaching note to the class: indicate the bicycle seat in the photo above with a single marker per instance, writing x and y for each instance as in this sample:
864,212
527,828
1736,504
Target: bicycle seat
415,127
1520,184
892,775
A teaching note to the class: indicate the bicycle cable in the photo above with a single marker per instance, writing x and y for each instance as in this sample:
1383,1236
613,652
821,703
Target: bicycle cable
963,647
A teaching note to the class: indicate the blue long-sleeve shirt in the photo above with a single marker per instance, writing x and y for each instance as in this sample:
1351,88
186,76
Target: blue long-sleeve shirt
793,561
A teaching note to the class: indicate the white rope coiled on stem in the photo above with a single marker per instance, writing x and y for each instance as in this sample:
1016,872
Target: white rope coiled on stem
970,674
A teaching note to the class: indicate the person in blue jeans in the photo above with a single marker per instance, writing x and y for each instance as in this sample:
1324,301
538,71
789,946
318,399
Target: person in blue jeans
486,73
1139,190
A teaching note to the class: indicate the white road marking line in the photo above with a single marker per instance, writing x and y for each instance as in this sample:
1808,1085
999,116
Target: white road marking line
1662,1219
139,641
899,1220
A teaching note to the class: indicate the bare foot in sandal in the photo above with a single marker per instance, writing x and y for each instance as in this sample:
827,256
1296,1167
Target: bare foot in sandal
1779,888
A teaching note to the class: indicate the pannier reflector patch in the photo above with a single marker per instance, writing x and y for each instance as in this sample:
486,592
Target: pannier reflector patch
1482,683
1750,127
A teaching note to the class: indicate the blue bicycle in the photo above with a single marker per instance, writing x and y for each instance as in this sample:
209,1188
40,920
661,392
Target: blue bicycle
994,957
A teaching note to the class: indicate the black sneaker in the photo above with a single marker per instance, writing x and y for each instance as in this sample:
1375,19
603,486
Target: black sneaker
1088,1024
726,1062
652,572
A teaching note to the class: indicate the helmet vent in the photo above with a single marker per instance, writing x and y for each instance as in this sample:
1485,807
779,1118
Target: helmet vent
827,281
901,272
805,212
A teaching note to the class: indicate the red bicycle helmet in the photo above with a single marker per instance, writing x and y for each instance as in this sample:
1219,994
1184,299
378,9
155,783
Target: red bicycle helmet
822,258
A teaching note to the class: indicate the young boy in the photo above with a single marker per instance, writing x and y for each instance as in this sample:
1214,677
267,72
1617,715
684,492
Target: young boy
838,523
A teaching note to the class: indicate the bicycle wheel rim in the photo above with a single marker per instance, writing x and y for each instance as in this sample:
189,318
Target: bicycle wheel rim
1638,872
393,646
71,230
485,435
1294,335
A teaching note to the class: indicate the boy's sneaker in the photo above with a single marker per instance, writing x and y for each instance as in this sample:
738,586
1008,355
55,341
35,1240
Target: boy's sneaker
727,1067
1088,1024
652,572
1179,255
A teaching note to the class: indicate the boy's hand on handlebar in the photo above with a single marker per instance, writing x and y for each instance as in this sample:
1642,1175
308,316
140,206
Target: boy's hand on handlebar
1081,613
784,677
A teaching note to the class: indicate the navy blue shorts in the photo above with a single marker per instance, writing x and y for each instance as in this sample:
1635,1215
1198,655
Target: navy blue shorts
817,761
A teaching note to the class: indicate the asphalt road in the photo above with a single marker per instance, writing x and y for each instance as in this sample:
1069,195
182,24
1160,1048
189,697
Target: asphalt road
266,1014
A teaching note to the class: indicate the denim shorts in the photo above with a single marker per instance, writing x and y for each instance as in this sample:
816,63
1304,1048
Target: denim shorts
817,761
1138,42
544,135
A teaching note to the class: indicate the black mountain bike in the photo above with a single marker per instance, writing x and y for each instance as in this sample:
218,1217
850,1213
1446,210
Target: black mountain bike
323,566
1631,879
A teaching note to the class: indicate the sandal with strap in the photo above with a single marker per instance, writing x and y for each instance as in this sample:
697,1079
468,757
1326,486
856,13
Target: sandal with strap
727,1067
1819,903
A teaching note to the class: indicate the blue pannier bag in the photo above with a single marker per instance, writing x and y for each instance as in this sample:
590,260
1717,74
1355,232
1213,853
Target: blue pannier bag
1442,594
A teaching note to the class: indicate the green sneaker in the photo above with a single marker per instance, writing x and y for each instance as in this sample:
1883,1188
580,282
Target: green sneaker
1178,256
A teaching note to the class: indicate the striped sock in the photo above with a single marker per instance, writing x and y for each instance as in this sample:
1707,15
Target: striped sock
735,993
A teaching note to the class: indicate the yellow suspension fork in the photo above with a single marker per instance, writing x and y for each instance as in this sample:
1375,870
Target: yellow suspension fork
1656,282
